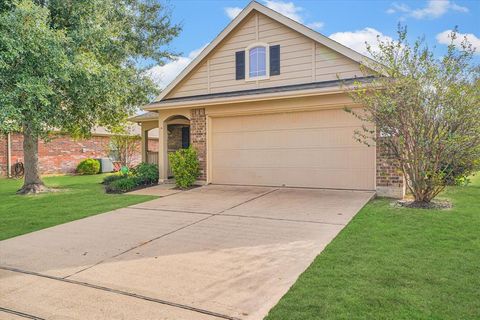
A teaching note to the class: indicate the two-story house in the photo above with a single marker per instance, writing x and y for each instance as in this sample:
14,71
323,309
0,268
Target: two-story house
263,104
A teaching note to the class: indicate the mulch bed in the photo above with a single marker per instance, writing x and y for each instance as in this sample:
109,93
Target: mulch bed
435,204
143,186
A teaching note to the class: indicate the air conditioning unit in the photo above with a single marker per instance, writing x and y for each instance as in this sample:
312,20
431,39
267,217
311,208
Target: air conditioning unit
106,165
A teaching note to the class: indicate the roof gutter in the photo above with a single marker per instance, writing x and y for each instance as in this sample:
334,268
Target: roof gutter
241,99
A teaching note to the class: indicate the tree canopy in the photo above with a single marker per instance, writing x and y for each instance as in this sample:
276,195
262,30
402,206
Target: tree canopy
426,111
74,65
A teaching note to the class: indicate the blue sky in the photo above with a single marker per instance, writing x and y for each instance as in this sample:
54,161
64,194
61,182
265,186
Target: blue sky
351,22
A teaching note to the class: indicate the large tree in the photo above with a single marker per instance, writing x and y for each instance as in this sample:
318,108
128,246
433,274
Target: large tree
73,65
426,110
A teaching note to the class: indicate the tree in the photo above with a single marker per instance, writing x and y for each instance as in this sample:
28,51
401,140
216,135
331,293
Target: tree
426,111
124,146
74,65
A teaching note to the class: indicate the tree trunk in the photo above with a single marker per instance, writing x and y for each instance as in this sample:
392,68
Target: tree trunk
32,183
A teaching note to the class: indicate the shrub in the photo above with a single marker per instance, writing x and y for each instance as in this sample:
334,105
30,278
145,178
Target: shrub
88,166
124,184
143,174
185,167
109,179
146,173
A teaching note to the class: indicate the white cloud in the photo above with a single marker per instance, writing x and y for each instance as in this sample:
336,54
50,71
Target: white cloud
433,9
444,38
437,8
317,25
356,39
288,9
232,12
163,75
398,7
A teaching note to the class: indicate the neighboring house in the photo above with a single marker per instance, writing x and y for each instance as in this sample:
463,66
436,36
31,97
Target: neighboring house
62,153
264,104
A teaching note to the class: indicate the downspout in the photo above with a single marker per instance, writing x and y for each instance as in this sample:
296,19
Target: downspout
9,155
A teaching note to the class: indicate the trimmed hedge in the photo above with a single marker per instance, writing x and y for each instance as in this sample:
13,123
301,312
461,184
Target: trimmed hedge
88,166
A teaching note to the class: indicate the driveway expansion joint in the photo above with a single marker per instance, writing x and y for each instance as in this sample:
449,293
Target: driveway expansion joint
170,210
115,291
249,200
283,219
20,314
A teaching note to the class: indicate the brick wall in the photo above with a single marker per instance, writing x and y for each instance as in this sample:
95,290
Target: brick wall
390,182
198,139
62,153
3,154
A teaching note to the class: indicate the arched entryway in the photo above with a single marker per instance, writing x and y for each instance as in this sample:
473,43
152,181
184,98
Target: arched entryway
178,135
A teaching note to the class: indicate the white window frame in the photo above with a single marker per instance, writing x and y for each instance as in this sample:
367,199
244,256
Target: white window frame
267,62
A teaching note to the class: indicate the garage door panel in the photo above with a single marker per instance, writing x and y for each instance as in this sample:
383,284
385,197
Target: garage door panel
291,138
286,120
298,149
339,158
301,177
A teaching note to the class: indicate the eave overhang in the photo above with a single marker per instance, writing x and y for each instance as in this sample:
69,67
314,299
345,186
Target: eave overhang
263,94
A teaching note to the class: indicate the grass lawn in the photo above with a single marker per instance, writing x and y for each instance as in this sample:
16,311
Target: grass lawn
396,263
83,197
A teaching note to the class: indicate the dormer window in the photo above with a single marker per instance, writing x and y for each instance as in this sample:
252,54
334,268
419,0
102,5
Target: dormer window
257,66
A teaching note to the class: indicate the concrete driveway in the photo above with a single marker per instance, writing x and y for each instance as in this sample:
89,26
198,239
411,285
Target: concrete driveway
215,252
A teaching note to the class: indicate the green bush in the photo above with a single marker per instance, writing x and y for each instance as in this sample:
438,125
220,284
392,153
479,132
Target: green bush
88,166
142,175
146,173
109,179
185,167
124,184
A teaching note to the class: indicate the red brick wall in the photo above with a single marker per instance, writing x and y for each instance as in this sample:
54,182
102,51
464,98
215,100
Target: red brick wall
62,153
3,154
389,178
198,139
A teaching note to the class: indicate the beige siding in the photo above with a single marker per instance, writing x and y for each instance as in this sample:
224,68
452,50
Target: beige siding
196,83
329,65
302,60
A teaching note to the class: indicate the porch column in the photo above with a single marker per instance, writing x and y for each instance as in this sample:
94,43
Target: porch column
144,144
162,150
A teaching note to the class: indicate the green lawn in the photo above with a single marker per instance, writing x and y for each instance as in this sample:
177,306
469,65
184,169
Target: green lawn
83,196
396,263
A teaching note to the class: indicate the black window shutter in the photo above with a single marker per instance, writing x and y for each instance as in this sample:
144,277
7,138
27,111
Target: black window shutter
275,60
240,65
185,137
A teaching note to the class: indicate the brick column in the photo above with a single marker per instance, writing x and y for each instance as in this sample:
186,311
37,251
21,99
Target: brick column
198,139
390,180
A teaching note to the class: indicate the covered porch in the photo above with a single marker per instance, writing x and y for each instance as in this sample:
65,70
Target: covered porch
173,134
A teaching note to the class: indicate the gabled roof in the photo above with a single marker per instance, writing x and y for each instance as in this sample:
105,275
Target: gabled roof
314,35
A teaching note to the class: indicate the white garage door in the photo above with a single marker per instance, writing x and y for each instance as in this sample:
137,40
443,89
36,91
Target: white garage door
299,149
